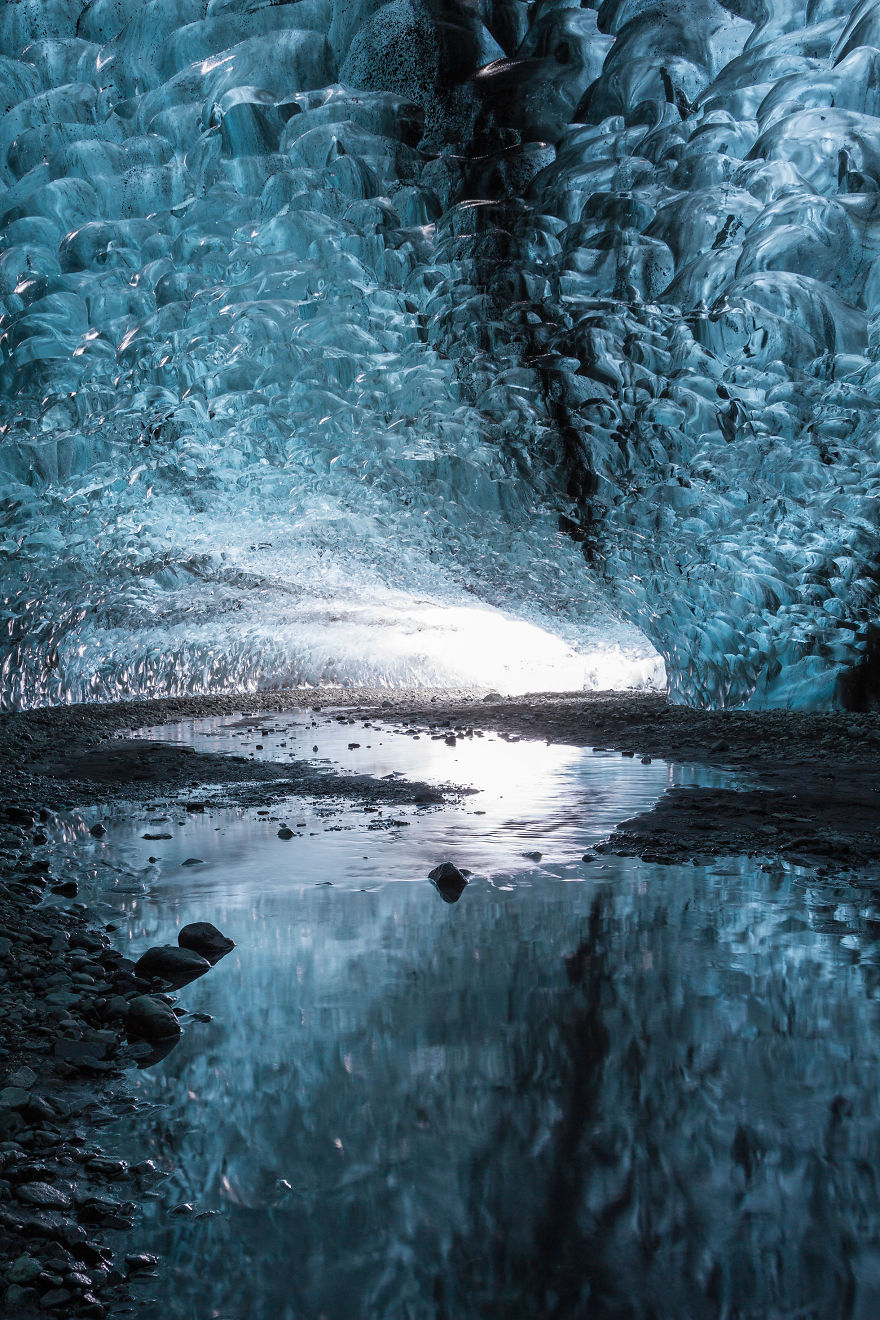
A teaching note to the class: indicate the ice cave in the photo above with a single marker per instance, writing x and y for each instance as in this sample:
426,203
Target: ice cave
339,337
439,659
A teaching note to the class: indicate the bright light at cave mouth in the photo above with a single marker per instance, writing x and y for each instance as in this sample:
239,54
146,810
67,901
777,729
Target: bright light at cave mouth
475,646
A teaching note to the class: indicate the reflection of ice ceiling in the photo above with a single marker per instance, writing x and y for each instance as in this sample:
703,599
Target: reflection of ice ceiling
318,316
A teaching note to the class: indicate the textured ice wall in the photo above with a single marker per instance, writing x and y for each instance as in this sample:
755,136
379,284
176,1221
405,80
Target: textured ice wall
233,454
710,321
318,315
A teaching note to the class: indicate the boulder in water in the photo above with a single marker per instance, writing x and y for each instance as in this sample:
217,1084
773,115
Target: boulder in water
448,881
149,1018
175,966
206,940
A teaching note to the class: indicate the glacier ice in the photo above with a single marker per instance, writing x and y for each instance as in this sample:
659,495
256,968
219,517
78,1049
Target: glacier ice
508,342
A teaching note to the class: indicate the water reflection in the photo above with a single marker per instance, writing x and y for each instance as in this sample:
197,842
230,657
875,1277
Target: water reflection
526,798
648,1093
677,1120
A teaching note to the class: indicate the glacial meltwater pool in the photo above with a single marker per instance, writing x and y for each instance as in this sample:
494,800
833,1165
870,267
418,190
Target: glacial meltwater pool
586,1089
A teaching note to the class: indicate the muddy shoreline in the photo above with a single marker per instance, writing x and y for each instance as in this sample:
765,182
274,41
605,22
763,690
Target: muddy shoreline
805,789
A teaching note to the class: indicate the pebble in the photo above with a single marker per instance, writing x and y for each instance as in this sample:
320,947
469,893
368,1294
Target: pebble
24,1269
23,1077
43,1195
142,1261
13,1097
18,1298
55,1297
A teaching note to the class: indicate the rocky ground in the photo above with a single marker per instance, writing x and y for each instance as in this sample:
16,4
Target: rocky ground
805,787
64,1206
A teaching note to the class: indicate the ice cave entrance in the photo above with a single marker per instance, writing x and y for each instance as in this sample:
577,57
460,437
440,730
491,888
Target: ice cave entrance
477,646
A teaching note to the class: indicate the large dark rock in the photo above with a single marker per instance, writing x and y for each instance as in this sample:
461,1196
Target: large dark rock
151,1019
206,940
448,881
44,1196
173,965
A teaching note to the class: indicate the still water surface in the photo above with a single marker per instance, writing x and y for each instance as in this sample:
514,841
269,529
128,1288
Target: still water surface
609,1089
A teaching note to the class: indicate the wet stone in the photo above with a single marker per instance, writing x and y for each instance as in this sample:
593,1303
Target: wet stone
449,881
150,1019
90,1308
22,1077
43,1195
205,939
19,1299
106,1211
115,1007
55,1297
13,1097
106,1167
22,1172
24,1269
142,1261
38,1108
172,964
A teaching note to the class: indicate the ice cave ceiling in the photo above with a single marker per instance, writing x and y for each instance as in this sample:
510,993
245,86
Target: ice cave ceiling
325,324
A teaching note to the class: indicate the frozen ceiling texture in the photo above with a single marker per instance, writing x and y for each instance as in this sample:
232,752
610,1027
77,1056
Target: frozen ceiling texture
440,342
